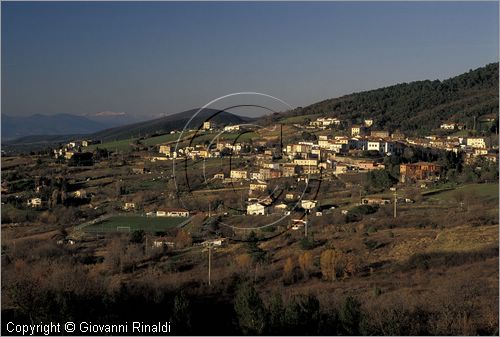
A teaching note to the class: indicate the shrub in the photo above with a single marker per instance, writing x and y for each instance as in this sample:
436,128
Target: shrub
250,310
137,236
307,243
333,263
306,263
302,315
350,316
289,271
372,244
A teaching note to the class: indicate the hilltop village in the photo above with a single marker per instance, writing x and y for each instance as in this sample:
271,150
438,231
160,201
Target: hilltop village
303,201
249,169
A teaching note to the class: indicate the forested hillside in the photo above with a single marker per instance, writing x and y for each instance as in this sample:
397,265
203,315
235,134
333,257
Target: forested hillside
418,107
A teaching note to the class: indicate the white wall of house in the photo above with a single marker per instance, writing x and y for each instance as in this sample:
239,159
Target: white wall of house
256,209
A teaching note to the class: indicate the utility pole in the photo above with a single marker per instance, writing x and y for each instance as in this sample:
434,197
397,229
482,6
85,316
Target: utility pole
281,140
209,264
395,203
305,225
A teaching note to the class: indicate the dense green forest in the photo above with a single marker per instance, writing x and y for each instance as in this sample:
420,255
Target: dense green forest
418,107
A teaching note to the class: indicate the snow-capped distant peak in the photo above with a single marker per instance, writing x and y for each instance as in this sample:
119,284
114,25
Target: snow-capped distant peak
109,113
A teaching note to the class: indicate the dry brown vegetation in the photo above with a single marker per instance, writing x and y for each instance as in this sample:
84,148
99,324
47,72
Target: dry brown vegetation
432,270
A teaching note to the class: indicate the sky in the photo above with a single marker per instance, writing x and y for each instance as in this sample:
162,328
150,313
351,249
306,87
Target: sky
147,59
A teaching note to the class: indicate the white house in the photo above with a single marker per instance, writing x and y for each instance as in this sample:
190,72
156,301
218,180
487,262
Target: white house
230,128
216,242
376,145
238,174
368,122
280,208
308,204
35,202
255,175
325,121
177,212
80,194
297,224
340,168
163,242
306,162
356,130
128,206
258,186
208,125
448,126
69,154
173,212
476,142
168,151
256,209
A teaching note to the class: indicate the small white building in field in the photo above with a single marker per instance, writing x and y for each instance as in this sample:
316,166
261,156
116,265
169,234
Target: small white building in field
129,206
308,204
163,242
256,209
216,242
80,194
35,202
173,212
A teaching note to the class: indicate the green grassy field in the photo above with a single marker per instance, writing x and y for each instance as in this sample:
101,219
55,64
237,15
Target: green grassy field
119,145
489,191
135,222
299,119
161,139
241,137
483,191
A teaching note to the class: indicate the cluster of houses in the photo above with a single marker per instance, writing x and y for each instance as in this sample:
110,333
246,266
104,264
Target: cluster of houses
328,154
167,212
170,242
67,151
472,147
263,207
331,153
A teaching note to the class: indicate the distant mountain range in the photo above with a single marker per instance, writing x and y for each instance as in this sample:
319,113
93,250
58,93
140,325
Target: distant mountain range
16,127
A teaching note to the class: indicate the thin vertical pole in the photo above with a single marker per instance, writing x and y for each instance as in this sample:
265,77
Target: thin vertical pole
209,264
305,226
395,203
